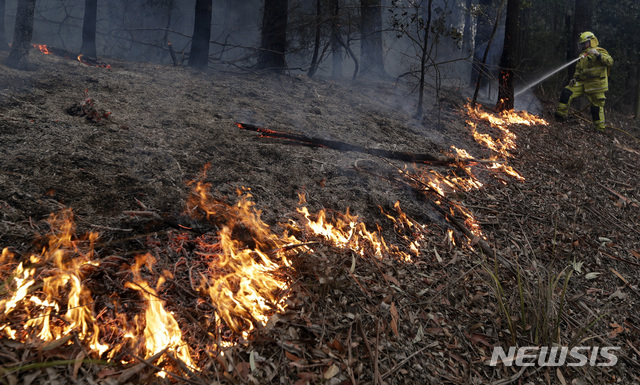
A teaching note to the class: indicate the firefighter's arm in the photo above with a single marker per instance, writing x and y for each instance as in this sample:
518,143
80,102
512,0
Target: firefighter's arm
604,57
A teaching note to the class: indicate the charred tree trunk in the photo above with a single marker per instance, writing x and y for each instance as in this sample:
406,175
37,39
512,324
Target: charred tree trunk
274,36
199,55
581,23
89,28
507,60
371,42
22,34
316,46
4,46
423,60
336,46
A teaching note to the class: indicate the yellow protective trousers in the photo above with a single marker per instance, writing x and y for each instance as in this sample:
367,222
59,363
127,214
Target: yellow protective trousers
596,99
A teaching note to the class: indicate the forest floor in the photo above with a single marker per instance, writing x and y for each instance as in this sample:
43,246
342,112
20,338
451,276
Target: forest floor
415,293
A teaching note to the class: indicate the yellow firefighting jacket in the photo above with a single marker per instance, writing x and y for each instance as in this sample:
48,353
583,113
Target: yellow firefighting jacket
593,71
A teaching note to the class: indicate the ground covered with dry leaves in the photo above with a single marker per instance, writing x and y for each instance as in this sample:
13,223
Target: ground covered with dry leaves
135,183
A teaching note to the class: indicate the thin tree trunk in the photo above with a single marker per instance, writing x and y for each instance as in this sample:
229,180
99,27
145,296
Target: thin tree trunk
316,47
482,37
22,34
4,46
89,28
423,61
199,55
274,36
506,98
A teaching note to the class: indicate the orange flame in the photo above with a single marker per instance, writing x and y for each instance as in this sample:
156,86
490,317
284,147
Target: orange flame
43,48
243,262
62,288
507,142
162,330
347,232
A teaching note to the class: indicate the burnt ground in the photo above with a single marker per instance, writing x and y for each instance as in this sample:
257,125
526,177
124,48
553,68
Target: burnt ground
150,131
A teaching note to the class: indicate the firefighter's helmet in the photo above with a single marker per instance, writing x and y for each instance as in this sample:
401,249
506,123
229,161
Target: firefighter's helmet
587,37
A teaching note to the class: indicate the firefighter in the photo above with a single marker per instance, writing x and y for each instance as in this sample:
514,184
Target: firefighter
590,78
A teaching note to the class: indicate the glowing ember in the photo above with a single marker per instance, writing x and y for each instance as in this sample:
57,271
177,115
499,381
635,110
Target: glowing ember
43,48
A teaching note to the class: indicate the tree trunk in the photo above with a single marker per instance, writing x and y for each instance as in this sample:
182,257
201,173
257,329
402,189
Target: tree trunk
274,36
22,34
199,55
336,47
423,60
89,28
4,46
507,60
371,58
581,23
316,46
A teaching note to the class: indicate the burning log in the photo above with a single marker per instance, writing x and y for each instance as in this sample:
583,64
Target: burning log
87,60
342,146
92,61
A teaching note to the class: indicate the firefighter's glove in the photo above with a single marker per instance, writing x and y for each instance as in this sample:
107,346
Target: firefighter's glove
573,82
593,51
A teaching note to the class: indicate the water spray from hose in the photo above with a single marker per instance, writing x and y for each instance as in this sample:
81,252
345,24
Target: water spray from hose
548,75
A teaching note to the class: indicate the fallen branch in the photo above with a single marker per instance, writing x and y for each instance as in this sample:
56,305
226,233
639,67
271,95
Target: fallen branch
341,146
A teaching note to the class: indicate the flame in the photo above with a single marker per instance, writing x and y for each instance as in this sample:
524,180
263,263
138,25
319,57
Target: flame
347,232
501,144
410,231
43,48
61,289
162,330
507,142
243,261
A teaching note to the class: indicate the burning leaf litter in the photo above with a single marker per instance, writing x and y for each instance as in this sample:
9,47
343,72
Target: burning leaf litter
245,270
242,275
